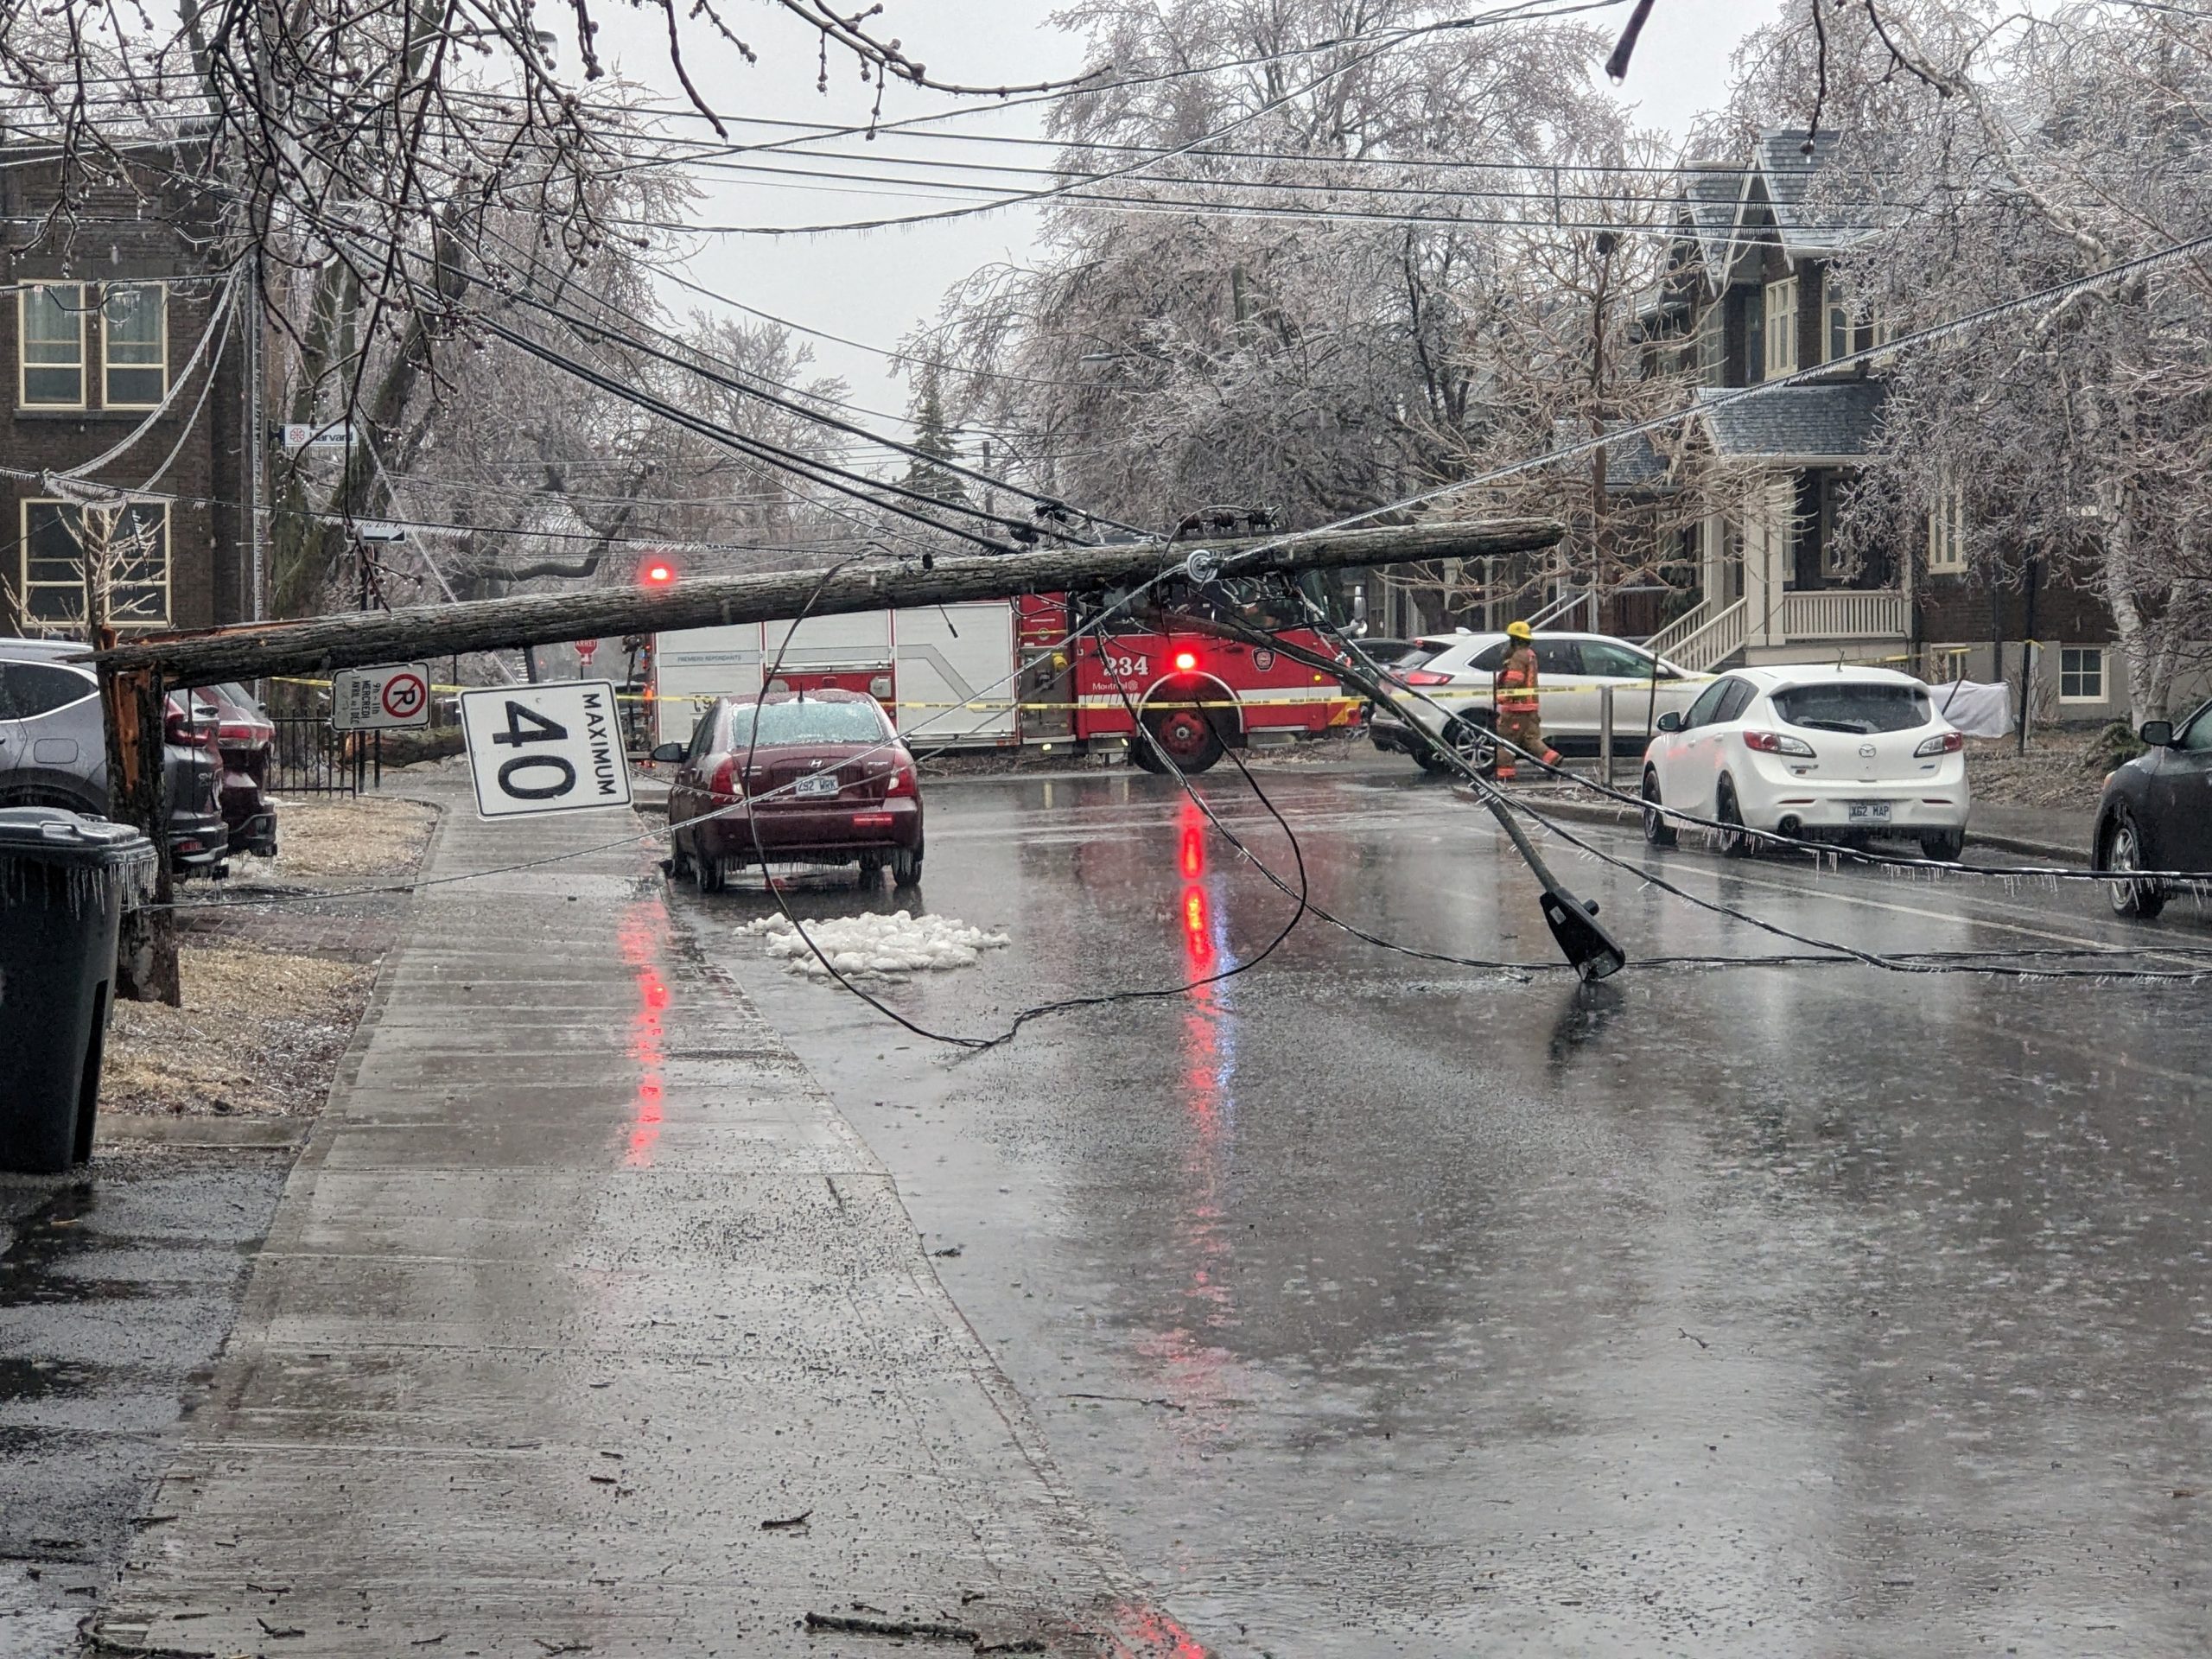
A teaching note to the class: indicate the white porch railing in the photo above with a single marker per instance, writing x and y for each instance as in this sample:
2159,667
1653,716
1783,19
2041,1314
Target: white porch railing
1841,613
1719,637
1662,643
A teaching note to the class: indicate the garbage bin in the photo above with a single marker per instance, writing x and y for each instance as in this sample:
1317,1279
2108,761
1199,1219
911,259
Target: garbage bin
64,880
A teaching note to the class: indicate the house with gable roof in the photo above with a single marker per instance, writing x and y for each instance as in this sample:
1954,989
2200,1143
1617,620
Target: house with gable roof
1753,294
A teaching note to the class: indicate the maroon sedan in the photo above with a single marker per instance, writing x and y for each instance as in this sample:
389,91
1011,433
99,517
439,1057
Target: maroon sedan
825,780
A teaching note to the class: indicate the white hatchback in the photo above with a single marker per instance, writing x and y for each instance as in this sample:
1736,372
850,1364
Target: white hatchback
1828,752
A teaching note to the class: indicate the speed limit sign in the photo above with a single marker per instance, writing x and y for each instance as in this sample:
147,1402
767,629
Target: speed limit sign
555,747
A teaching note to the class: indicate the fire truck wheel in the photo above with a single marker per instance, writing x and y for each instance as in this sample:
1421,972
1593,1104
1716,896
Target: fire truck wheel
1142,753
1187,736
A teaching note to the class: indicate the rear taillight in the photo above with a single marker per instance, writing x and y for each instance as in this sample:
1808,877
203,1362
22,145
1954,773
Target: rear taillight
1942,743
239,731
902,781
724,781
1422,677
177,729
1776,743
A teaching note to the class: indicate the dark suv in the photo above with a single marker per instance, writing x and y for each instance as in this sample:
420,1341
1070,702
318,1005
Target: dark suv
245,735
53,752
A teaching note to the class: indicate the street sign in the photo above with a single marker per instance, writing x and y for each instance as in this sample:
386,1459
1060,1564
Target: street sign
586,650
380,699
299,435
552,747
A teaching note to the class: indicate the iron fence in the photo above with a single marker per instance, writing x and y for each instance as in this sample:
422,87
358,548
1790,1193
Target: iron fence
310,758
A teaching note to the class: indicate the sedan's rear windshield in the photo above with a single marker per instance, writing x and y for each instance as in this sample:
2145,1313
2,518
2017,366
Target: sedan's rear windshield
805,720
1859,708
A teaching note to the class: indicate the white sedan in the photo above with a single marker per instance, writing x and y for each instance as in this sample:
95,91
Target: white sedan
1829,753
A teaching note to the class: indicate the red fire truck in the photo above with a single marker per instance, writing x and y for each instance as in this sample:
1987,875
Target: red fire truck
1002,672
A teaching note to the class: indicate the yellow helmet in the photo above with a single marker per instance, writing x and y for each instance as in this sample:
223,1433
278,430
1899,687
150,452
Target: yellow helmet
1519,631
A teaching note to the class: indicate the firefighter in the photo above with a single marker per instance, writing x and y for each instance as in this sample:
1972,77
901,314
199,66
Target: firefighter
1519,721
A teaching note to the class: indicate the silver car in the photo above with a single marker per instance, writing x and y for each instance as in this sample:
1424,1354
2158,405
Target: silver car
1454,681
53,753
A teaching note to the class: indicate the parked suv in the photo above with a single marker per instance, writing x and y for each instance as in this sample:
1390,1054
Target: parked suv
53,752
1453,677
245,735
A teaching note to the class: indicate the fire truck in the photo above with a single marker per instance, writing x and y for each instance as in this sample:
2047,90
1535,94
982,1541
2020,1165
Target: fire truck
1003,672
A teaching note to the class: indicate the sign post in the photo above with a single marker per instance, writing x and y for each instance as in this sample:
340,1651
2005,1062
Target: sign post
380,699
555,747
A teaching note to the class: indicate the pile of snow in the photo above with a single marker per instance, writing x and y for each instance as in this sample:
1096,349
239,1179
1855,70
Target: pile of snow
882,946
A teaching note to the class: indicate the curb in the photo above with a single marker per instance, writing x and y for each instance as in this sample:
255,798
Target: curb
1607,812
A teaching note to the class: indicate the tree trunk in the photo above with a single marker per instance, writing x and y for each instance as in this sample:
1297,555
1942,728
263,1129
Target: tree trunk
145,958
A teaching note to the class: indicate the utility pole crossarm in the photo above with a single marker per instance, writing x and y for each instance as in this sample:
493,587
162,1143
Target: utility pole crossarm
320,645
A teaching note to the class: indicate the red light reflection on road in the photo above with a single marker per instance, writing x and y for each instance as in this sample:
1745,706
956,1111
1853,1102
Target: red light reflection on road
1149,1633
643,937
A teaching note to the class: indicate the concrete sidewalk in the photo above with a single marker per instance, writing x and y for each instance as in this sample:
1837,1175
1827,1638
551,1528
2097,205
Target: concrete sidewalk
587,1324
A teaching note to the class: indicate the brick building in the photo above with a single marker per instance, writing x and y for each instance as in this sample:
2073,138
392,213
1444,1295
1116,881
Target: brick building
120,327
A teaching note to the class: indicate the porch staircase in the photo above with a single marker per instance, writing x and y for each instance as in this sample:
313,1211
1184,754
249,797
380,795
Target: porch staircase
1703,637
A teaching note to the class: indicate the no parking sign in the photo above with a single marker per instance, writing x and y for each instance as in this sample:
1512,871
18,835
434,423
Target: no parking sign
380,699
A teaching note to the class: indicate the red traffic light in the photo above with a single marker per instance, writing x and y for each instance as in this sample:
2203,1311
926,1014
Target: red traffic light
657,572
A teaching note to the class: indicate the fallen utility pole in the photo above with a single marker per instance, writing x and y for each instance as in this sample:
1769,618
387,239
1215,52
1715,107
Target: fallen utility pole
137,676
359,640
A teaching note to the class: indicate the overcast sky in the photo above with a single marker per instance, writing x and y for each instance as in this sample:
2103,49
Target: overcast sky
874,286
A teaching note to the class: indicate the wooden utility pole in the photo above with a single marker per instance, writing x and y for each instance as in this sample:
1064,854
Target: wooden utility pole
358,639
137,676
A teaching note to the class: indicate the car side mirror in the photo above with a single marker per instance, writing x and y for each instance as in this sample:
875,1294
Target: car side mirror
668,752
2158,734
1670,722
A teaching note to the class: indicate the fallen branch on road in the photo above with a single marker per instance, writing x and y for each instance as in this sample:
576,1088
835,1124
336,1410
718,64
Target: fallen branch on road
855,1624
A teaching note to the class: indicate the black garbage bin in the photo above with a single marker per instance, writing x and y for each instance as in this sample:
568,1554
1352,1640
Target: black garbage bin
64,880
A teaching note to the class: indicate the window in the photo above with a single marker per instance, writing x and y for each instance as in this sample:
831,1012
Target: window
1782,326
122,554
1702,712
1712,347
2197,738
1738,699
50,319
1835,319
1946,533
29,689
805,720
1884,329
1836,563
1754,340
2081,674
1560,658
1609,661
1859,708
135,344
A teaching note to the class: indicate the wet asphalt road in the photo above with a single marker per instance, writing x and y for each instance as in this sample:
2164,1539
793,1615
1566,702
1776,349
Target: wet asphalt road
1380,1306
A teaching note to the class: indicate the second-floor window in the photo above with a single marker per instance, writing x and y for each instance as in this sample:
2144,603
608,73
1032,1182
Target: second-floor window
50,326
135,344
113,562
1946,533
1835,319
1782,326
1712,346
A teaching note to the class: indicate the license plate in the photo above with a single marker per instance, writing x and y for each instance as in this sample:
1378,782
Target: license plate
1869,811
826,783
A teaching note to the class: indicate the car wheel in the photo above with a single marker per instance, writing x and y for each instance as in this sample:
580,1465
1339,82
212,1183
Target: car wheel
1943,846
1474,741
708,873
2119,850
1735,841
1186,736
680,867
907,867
1657,829
871,869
